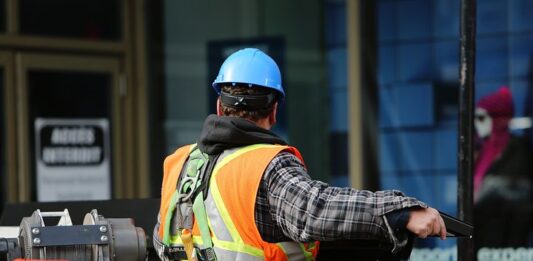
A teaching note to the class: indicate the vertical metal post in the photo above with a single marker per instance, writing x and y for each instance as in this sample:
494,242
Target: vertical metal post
466,119
355,120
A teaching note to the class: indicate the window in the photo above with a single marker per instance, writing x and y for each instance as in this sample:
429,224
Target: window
3,15
67,109
90,20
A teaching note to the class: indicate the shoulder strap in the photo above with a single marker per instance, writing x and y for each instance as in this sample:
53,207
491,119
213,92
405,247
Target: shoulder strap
190,204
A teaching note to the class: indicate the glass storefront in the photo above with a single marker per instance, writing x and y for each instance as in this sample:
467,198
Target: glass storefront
418,65
418,69
336,53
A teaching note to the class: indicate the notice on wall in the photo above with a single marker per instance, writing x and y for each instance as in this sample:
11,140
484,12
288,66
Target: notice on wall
72,159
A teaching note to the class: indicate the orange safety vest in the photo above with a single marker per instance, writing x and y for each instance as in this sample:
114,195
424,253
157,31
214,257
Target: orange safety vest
230,205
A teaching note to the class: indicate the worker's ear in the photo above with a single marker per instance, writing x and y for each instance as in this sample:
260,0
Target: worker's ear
219,108
272,117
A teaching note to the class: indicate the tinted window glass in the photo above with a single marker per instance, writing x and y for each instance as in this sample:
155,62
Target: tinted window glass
91,20
3,16
70,102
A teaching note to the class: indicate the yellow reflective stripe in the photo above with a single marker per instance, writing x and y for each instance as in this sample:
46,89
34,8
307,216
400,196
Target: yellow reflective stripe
216,193
307,254
176,240
240,152
230,246
170,212
238,247
280,245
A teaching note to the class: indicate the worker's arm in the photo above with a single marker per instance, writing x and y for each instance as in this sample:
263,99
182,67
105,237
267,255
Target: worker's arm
308,210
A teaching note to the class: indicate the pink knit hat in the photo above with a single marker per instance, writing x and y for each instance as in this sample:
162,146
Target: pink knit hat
498,104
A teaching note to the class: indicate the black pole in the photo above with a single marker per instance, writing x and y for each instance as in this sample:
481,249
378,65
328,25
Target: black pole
466,120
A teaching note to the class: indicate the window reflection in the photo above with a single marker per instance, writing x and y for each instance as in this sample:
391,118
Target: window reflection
418,152
502,175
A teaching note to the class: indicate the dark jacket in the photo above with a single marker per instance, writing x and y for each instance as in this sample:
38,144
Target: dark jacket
503,213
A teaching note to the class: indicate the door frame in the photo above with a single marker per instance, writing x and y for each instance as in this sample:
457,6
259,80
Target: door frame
6,61
130,51
75,63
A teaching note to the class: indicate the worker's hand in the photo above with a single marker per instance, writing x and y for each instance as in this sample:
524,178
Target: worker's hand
426,222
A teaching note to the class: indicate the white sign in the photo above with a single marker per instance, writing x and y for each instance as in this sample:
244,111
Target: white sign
72,159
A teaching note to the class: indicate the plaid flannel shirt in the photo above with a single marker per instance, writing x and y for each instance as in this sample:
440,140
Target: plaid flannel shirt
292,206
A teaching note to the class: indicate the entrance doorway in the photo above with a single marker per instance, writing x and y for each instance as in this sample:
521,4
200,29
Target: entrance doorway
74,100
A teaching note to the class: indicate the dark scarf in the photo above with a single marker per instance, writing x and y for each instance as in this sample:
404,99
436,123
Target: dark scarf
221,133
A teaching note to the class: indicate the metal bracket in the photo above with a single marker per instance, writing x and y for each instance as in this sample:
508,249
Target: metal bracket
70,235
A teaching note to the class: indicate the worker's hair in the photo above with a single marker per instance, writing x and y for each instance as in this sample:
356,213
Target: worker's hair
253,115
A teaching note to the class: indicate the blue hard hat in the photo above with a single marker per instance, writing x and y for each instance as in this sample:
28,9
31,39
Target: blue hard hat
250,66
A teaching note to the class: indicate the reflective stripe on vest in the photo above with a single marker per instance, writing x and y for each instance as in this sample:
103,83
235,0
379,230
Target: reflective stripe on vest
230,206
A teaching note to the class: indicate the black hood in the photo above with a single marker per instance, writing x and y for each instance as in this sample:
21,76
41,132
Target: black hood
221,133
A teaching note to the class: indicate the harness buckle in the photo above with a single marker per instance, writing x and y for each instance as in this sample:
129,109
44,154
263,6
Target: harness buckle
207,254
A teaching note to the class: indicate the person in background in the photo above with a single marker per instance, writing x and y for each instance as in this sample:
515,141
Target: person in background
502,176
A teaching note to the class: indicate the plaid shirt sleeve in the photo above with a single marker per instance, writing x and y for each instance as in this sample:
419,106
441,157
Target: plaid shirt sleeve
307,210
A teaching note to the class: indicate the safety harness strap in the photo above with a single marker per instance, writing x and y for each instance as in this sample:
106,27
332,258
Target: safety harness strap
201,218
191,207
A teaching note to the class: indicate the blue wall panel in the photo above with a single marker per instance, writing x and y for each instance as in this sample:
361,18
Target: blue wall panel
414,19
389,160
521,55
519,91
521,18
446,149
338,111
406,105
485,88
336,23
446,61
414,62
491,58
387,113
391,181
446,18
416,150
447,192
386,64
337,68
414,104
387,20
491,16
421,186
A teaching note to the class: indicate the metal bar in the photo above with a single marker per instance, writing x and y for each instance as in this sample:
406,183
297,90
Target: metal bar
355,120
466,119
61,44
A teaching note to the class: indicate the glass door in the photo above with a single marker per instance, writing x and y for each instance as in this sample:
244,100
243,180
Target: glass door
69,126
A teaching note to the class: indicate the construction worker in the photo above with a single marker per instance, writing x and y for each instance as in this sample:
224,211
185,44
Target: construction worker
241,193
